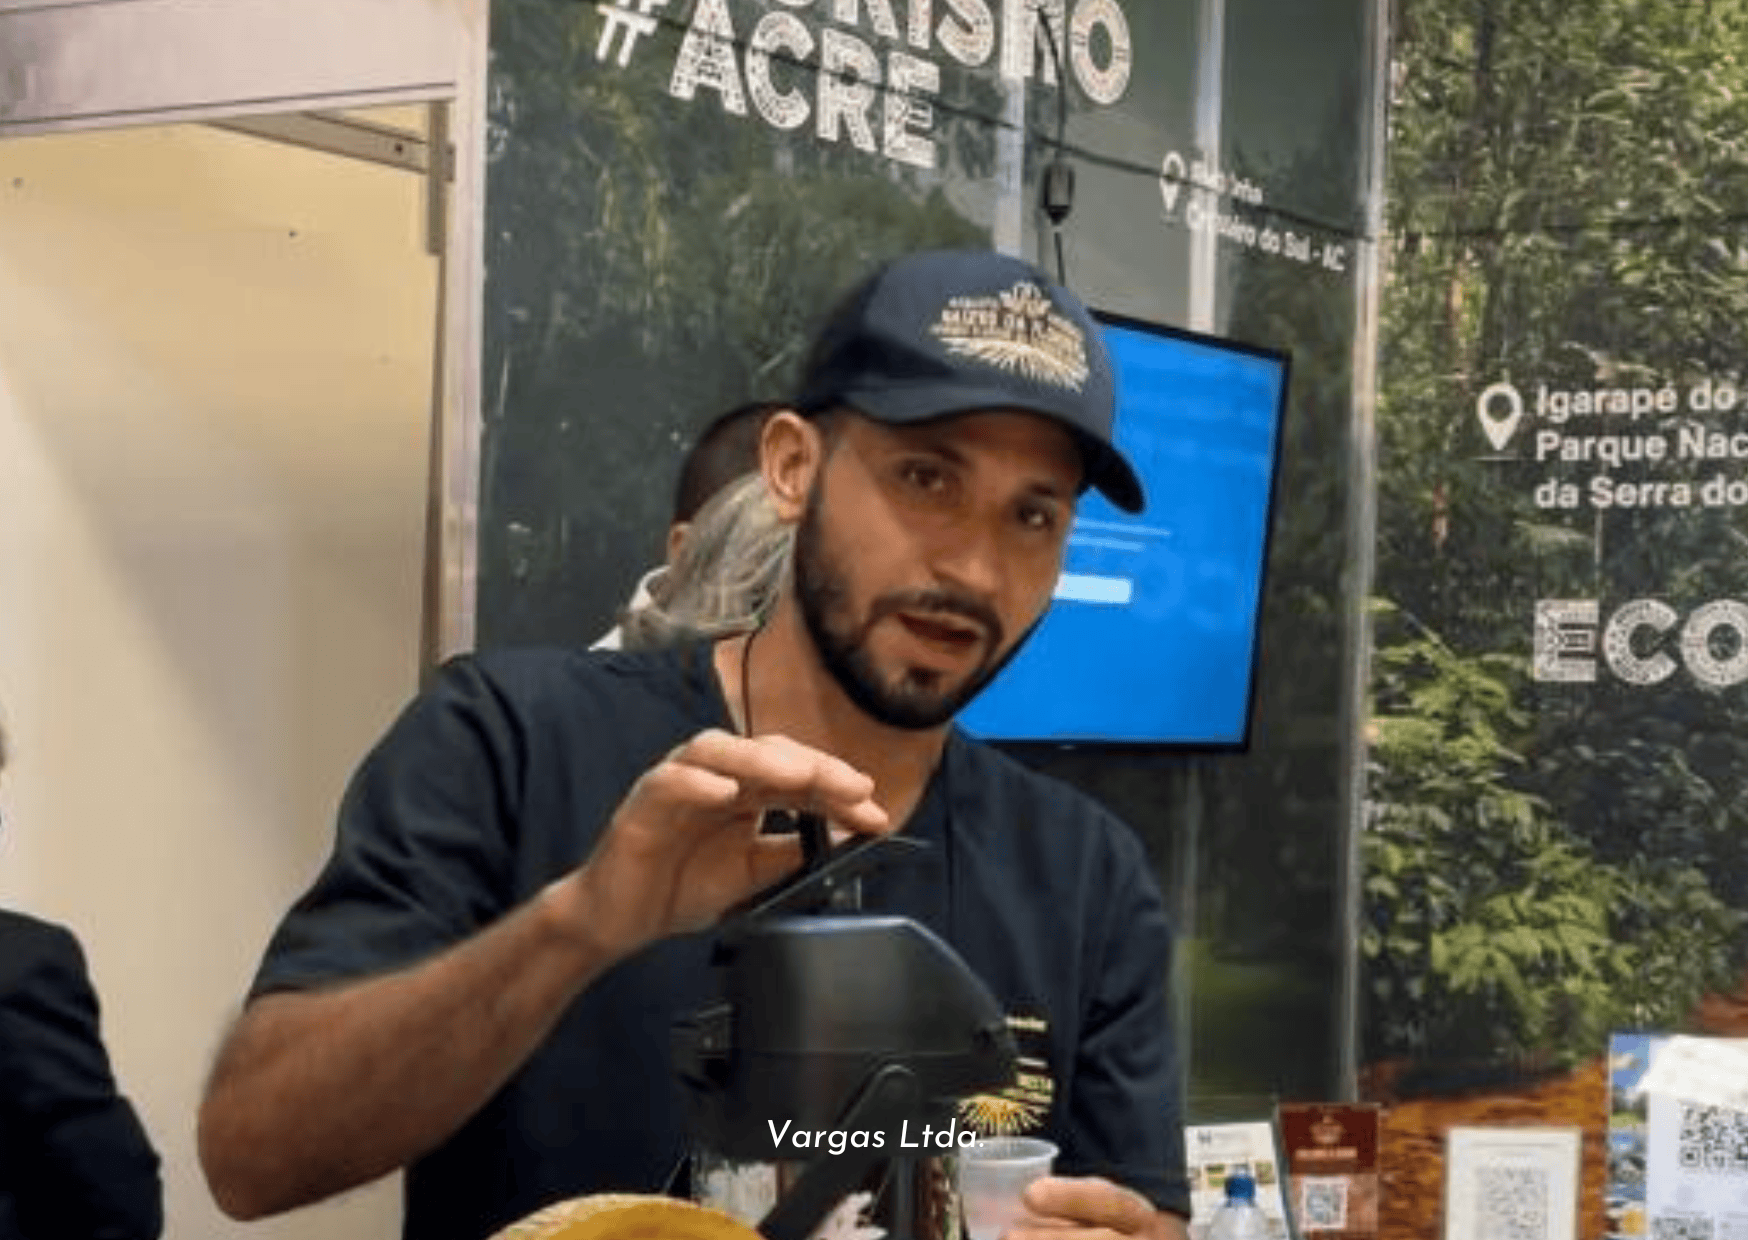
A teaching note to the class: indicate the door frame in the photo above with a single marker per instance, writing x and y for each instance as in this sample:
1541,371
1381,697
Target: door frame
284,71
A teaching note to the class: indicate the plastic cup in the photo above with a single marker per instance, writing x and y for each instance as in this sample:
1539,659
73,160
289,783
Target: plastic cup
993,1173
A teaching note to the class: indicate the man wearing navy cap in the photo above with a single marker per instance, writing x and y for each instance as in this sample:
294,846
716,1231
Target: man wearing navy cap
481,983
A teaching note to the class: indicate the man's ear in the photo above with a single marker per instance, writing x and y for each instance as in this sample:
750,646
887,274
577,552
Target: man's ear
791,453
677,538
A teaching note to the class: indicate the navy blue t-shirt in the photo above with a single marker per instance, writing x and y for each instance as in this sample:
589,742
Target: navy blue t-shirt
498,779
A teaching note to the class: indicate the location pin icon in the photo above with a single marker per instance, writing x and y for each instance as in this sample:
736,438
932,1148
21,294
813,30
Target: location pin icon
1499,427
1171,179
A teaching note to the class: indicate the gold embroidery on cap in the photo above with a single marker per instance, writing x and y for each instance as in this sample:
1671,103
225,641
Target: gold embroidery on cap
1018,330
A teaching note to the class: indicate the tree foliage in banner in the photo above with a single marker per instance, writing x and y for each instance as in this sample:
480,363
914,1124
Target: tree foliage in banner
1491,928
650,262
1568,191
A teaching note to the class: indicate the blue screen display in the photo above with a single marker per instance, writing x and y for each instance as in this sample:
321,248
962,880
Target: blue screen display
1151,636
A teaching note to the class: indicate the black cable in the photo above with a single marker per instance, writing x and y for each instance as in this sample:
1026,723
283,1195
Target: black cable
1056,189
1061,79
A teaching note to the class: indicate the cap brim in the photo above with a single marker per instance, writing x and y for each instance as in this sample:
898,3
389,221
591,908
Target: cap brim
1112,476
1107,470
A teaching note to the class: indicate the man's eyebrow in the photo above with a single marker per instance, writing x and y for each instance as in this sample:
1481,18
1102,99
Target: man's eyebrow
937,441
1051,491
931,440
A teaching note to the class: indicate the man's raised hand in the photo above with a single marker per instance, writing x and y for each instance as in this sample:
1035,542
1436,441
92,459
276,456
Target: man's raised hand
684,845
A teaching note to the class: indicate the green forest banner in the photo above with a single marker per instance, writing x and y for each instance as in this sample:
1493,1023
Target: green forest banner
678,188
1557,842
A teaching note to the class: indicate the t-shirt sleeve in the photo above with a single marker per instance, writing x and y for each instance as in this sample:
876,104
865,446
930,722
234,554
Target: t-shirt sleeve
422,853
1127,1105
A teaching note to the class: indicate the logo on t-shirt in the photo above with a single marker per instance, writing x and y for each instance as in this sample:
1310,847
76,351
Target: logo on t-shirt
1023,1106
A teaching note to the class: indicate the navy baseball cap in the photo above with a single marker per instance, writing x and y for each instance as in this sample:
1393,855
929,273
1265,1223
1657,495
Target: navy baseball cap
946,332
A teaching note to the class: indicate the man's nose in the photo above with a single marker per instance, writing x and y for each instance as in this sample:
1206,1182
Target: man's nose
970,558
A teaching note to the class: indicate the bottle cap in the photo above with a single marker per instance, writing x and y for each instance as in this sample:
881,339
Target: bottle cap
1240,1187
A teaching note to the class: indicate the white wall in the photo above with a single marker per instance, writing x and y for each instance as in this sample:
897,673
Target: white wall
214,398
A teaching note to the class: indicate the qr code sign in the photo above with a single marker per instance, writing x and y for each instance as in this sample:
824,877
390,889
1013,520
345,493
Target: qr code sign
1713,1139
1322,1204
1511,1203
1682,1227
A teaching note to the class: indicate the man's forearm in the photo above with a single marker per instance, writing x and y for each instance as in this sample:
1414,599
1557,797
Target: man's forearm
318,1092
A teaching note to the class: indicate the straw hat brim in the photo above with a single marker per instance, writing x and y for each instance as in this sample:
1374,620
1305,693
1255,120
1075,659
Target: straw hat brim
627,1216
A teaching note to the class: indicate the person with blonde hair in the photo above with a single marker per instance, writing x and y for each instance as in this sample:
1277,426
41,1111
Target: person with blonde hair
726,576
726,449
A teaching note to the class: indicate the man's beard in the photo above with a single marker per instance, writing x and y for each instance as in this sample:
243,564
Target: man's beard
915,699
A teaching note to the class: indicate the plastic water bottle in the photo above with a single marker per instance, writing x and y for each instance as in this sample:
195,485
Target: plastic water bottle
1239,1217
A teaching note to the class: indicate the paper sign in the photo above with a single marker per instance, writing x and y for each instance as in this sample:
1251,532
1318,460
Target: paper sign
1215,1151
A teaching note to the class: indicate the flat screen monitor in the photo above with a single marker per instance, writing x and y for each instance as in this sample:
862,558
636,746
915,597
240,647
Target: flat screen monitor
1151,637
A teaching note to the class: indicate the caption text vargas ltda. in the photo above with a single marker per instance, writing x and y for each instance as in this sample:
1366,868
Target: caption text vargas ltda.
838,1140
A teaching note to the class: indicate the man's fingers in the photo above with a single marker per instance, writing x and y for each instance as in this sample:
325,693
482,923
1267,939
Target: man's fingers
775,763
684,844
687,783
1091,1203
774,771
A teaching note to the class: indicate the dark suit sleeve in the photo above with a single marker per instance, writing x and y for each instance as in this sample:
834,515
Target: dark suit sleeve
80,1165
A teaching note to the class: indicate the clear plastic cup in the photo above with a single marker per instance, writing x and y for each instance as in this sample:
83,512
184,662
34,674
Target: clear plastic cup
992,1174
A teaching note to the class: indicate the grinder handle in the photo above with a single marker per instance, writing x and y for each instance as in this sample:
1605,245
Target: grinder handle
824,869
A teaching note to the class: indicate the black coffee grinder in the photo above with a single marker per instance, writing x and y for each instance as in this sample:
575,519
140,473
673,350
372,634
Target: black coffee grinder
835,1020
